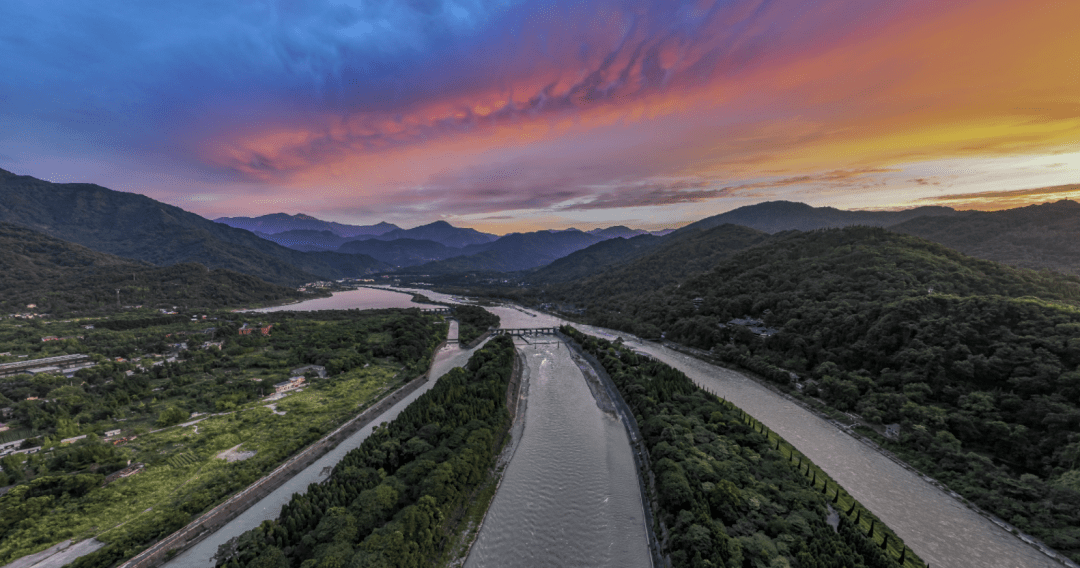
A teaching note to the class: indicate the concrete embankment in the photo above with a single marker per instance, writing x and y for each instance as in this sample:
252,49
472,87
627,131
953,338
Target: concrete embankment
217,517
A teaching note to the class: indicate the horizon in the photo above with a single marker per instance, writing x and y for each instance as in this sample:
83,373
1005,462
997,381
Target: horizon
509,116
1002,201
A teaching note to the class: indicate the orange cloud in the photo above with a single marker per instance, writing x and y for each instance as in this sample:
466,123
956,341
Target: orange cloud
998,200
937,81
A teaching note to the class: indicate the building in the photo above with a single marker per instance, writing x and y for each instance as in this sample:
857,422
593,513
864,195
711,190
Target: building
72,440
892,431
247,330
756,326
311,369
10,446
62,362
4,427
111,433
291,384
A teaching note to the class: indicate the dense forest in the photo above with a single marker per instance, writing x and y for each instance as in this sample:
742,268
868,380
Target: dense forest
186,394
59,277
392,502
137,227
1037,236
473,321
730,492
978,362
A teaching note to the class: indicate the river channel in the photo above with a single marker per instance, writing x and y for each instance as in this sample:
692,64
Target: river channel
935,525
569,496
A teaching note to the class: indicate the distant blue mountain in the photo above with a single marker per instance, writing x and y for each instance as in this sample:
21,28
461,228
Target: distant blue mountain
282,222
441,232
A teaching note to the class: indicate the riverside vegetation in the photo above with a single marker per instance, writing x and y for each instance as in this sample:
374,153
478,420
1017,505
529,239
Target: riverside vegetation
730,492
978,362
145,383
397,500
473,321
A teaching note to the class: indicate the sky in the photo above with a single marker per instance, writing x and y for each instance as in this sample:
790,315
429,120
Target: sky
508,115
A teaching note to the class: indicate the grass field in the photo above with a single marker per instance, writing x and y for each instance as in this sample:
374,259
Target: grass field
182,472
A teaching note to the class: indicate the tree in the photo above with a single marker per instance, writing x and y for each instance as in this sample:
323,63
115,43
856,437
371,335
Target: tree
171,415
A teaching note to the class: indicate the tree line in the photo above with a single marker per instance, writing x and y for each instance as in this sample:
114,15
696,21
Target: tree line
390,502
473,321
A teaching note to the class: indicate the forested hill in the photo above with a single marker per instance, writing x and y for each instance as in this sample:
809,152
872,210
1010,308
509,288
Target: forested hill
513,252
1045,236
777,216
977,361
590,260
665,261
135,226
60,277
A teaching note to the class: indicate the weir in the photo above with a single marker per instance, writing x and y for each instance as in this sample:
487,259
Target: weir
525,331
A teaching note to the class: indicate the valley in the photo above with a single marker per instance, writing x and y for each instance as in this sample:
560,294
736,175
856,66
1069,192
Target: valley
888,327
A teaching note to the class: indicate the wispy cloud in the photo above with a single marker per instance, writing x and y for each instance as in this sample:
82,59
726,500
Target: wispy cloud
416,109
996,200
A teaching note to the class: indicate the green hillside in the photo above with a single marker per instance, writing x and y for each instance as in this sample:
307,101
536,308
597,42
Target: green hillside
1045,236
135,226
977,361
586,262
61,277
675,258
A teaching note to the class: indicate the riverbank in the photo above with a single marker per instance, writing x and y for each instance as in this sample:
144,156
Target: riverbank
868,440
472,520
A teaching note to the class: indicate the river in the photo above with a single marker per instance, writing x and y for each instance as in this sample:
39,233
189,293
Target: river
939,528
935,525
361,298
569,496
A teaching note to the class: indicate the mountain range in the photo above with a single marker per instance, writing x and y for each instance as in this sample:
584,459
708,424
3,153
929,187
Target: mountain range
137,227
430,243
776,216
275,223
1045,236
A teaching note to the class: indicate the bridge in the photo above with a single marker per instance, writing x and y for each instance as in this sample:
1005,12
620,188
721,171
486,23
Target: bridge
525,331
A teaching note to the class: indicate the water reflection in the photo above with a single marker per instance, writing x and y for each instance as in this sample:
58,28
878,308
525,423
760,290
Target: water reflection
361,298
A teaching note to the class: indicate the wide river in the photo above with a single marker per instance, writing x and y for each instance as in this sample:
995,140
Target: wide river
935,525
569,496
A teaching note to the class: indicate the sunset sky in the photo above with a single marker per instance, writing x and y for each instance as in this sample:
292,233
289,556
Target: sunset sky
511,115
